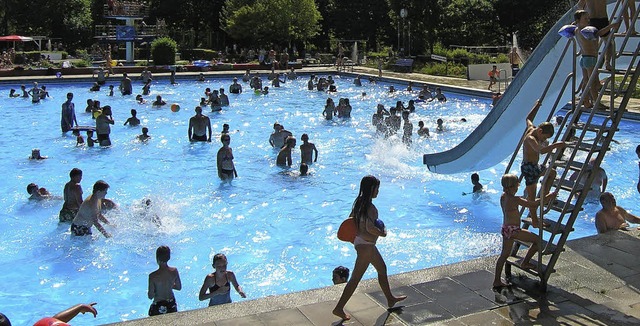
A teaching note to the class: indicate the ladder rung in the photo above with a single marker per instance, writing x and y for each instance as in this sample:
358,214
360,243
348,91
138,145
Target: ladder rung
624,34
551,228
563,207
549,248
564,184
587,147
618,71
592,127
626,53
515,261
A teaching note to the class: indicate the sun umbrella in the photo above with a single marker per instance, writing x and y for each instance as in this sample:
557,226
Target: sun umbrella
15,38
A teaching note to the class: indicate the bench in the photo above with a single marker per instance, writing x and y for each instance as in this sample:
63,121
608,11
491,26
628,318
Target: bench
403,64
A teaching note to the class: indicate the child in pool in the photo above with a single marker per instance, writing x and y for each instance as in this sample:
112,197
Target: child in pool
511,230
90,140
37,193
162,282
79,138
133,120
217,285
477,186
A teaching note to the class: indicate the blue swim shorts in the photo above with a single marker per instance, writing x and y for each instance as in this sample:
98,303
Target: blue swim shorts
587,61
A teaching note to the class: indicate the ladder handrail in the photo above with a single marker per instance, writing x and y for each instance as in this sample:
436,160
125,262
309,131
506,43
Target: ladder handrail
544,94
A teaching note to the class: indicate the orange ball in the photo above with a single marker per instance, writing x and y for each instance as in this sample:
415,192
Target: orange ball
175,107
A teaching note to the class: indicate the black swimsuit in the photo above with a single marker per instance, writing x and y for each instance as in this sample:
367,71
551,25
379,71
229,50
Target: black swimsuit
216,287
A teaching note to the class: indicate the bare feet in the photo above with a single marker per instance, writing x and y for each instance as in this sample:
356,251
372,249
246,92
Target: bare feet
340,313
527,265
500,284
395,300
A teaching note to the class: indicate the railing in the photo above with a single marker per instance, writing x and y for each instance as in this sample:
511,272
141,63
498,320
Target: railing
142,31
128,9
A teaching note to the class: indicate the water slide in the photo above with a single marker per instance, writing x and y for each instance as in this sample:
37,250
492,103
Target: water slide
499,133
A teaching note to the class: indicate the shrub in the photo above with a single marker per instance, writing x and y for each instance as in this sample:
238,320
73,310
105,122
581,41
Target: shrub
164,51
198,54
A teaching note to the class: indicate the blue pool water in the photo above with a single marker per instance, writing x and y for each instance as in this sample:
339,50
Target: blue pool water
277,229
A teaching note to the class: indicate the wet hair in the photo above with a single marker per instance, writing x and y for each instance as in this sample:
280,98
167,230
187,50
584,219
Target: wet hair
341,271
547,128
420,123
363,201
578,14
605,195
559,119
304,168
509,180
638,149
439,121
4,321
134,112
304,136
145,129
475,177
31,187
74,172
198,109
163,254
68,94
219,256
100,185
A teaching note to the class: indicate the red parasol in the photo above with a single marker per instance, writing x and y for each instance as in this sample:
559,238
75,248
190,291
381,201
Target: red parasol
15,38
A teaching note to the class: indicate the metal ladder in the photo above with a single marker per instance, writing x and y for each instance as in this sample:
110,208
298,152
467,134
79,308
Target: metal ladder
590,142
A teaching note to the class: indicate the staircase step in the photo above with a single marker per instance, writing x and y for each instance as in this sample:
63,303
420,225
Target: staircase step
571,165
624,35
593,127
626,54
585,146
563,207
515,261
565,184
549,248
551,228
618,71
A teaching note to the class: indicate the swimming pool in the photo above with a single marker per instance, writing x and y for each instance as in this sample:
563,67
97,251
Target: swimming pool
277,229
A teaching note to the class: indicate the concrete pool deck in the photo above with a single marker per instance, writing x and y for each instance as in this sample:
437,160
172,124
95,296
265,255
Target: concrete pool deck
597,282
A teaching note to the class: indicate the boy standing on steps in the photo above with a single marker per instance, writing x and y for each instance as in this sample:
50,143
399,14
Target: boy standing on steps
534,144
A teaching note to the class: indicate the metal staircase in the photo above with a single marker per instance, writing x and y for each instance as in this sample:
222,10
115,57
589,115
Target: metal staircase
589,137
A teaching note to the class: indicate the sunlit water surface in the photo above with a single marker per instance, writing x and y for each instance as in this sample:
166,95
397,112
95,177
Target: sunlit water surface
277,229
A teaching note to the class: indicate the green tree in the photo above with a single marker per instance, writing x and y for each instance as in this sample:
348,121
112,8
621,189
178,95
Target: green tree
469,22
69,20
271,21
361,20
420,25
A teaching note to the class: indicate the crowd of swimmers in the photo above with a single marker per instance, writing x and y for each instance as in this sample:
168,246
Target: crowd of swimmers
85,213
